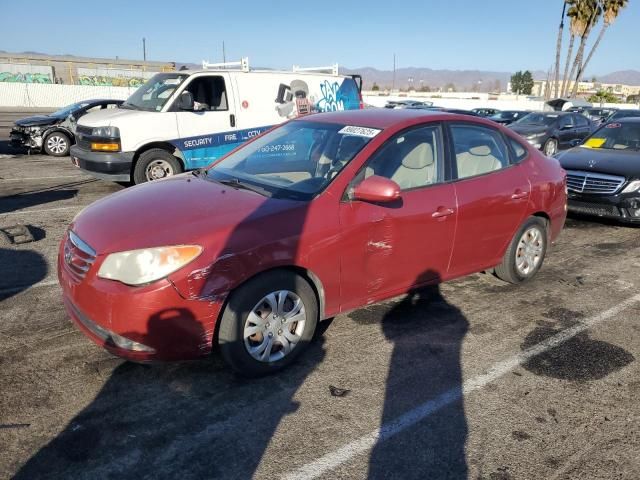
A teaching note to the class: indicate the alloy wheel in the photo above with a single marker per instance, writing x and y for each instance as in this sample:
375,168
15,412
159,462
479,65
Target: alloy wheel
529,251
56,144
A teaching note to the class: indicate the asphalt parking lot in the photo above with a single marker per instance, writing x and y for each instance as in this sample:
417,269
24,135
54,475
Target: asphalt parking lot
475,379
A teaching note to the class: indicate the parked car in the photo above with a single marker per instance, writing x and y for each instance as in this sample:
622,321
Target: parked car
55,133
318,216
507,117
553,131
407,104
620,114
485,112
184,120
603,174
598,115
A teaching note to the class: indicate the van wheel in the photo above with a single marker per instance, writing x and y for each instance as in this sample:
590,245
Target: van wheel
155,164
57,144
526,252
267,323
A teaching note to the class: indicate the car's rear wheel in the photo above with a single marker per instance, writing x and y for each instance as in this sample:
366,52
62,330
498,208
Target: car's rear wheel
57,144
268,323
550,147
155,164
526,252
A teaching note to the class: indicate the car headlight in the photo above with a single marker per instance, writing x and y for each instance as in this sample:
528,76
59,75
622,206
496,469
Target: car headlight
137,267
108,132
632,187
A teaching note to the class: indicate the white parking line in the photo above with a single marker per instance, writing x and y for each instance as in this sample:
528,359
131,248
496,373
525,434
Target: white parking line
21,212
48,283
336,458
42,178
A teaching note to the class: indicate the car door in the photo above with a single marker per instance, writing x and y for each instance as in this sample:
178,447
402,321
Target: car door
390,247
207,132
583,128
492,192
567,131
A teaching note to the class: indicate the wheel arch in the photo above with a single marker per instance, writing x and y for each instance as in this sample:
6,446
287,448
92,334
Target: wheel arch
166,146
61,129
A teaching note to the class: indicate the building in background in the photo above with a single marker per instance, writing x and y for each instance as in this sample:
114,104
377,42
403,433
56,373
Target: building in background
587,89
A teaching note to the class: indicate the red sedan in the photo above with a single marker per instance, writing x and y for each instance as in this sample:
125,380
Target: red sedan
316,217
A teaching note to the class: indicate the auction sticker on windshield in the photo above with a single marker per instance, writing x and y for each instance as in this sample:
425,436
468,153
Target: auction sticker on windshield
360,131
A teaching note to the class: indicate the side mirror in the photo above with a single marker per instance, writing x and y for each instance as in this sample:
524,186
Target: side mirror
376,189
186,101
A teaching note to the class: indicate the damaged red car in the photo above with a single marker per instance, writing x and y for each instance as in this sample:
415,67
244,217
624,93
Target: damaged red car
319,216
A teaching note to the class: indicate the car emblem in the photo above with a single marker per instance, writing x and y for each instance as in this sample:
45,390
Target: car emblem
592,163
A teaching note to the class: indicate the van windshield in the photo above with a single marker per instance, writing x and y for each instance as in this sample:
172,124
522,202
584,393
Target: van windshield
297,160
152,95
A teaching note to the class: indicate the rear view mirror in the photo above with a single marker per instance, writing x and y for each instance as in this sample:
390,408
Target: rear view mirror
186,101
376,189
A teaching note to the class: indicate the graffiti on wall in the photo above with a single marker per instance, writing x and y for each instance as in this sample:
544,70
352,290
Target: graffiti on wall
19,77
104,81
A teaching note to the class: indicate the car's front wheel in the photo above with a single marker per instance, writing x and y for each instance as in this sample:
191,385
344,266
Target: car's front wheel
268,323
57,144
155,164
550,147
526,252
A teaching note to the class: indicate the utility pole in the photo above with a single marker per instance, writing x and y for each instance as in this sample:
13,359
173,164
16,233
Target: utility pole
393,85
144,49
224,55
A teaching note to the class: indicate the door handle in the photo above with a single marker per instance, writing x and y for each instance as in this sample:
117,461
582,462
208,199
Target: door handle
232,120
519,194
443,212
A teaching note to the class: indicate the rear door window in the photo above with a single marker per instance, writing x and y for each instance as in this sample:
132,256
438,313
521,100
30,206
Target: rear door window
478,150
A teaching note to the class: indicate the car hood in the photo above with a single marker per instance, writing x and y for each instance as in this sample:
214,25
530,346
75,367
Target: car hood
38,120
612,162
113,116
184,209
525,130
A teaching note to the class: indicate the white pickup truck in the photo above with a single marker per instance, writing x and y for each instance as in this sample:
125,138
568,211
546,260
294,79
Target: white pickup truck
184,120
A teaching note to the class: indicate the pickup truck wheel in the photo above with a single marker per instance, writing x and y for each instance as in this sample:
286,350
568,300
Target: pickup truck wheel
155,164
57,144
526,252
267,323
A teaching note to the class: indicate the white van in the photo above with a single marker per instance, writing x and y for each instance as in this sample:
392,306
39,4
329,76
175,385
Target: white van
184,120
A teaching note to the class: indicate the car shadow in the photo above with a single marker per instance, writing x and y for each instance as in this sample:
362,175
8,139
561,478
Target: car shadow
19,270
423,425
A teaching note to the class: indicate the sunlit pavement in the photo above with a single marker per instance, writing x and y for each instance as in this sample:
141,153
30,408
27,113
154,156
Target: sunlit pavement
478,379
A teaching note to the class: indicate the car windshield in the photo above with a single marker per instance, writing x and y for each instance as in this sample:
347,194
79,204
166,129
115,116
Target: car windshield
502,116
153,94
625,114
69,109
615,136
296,160
538,119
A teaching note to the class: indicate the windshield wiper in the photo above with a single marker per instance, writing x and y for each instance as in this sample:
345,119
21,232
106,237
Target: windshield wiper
234,182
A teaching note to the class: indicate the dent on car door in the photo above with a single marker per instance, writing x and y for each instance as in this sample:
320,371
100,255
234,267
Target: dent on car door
390,247
492,191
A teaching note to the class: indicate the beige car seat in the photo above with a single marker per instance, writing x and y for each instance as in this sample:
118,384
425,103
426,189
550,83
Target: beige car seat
476,161
417,168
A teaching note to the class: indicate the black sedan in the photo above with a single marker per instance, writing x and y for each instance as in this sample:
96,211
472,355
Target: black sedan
507,117
620,114
55,133
553,131
603,174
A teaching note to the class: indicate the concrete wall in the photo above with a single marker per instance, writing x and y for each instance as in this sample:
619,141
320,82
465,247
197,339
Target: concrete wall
21,95
463,103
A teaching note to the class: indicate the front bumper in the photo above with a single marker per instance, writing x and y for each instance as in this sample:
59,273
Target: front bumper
622,207
115,167
154,315
25,138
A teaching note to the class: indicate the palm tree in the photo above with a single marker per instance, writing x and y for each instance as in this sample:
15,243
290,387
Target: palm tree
611,9
558,49
591,11
576,27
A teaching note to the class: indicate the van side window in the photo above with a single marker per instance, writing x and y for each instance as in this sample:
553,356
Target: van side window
478,150
209,92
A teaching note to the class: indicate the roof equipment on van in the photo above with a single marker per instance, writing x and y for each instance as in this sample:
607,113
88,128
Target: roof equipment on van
243,64
332,69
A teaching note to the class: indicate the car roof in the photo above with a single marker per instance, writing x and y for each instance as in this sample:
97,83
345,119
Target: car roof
383,118
628,120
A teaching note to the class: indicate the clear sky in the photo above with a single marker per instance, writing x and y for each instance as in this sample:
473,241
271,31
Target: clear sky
501,35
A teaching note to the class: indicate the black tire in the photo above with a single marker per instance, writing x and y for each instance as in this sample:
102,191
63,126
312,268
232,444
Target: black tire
552,144
243,301
508,270
163,160
57,144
